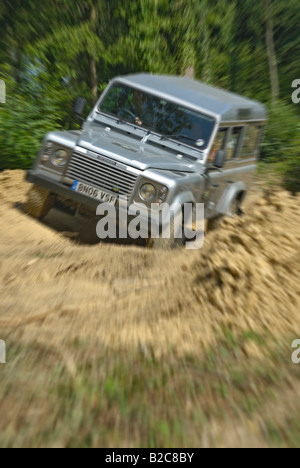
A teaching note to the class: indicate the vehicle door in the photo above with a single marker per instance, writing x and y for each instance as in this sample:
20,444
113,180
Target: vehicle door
228,139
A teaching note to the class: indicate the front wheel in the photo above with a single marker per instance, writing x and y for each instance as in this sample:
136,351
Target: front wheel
177,238
174,241
39,202
234,209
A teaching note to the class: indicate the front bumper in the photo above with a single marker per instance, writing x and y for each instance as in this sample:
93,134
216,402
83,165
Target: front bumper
60,189
66,192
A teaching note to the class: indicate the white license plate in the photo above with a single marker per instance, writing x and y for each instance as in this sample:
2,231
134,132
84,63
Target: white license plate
94,193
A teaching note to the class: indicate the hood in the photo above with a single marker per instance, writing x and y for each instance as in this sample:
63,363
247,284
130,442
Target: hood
131,150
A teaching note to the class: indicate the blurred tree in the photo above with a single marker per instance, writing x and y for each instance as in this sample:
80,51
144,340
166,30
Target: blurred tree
52,51
271,50
24,120
280,134
286,29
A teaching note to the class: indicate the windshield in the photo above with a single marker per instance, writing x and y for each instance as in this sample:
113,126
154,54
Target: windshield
159,115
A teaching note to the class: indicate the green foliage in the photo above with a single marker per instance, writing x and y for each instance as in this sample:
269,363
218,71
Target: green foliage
279,141
23,124
51,52
292,175
281,144
291,167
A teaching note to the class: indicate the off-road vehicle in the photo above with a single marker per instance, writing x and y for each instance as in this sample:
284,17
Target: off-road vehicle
151,140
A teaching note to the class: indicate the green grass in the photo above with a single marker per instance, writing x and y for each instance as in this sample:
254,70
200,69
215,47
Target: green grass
120,400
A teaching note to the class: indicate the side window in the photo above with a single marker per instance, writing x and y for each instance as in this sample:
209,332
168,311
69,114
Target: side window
251,141
234,142
219,143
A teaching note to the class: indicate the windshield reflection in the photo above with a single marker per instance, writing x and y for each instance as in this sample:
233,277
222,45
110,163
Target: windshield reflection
158,115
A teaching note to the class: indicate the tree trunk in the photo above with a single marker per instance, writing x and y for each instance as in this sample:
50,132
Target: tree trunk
92,60
271,51
190,72
205,45
93,79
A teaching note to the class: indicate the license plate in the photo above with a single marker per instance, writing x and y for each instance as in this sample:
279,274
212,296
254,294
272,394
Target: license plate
94,193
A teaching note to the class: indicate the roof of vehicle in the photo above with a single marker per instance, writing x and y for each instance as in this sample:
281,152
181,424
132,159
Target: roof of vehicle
227,106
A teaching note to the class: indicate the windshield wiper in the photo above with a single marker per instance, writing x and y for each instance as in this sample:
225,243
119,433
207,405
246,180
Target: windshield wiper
110,116
199,142
122,120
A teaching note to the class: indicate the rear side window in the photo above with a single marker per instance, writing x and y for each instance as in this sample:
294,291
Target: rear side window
251,141
219,143
234,142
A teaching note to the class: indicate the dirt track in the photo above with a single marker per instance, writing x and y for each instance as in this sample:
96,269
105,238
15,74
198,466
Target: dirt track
114,299
245,278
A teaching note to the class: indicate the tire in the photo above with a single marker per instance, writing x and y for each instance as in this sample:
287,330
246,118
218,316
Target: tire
39,202
174,242
234,209
169,243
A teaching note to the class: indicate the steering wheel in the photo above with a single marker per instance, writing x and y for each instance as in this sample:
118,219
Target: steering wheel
127,111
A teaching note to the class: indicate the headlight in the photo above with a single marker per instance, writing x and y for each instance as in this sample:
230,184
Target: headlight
148,192
60,158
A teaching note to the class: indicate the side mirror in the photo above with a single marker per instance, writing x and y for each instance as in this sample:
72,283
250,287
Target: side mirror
220,159
79,106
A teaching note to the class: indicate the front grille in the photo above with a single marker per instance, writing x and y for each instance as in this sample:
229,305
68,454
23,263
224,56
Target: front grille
101,174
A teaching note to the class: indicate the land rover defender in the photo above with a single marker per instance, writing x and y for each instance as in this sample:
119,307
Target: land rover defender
151,140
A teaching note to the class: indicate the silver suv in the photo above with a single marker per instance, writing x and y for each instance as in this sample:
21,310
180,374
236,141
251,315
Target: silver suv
151,140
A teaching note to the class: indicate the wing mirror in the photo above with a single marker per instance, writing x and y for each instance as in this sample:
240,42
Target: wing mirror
79,107
220,159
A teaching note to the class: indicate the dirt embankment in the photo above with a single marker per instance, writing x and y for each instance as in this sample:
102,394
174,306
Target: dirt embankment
54,291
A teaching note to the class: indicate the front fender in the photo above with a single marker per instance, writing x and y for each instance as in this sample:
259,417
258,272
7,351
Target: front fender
238,189
180,200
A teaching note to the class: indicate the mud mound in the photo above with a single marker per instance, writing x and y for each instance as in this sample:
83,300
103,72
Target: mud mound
245,279
249,271
78,321
12,186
